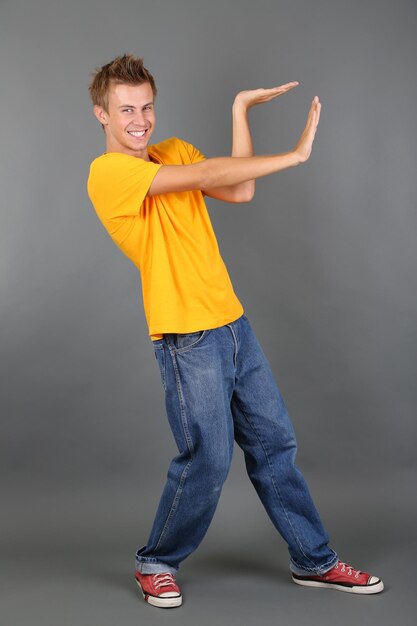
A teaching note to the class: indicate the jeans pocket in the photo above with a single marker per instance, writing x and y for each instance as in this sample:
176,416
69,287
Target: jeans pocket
188,340
160,357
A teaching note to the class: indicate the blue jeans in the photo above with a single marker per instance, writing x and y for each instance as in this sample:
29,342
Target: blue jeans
219,387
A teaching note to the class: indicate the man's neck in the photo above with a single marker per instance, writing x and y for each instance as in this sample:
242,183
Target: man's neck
111,147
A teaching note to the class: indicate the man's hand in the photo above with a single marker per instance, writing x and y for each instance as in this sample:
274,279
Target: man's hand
249,98
305,143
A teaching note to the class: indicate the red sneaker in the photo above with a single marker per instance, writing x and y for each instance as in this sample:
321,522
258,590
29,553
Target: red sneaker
344,578
159,589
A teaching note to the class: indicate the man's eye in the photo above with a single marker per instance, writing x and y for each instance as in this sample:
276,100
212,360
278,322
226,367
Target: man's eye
126,110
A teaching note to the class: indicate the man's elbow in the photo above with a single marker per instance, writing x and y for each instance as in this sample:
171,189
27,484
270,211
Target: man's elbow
247,194
245,198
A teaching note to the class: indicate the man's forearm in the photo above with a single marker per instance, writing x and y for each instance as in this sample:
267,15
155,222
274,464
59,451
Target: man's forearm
219,171
242,140
242,143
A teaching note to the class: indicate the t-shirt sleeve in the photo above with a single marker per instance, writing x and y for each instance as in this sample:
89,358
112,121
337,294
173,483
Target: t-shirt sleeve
118,184
193,152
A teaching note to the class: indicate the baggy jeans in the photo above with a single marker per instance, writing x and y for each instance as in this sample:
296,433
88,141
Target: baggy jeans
219,387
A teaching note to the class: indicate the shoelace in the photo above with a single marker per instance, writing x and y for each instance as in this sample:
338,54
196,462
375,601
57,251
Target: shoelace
163,580
349,568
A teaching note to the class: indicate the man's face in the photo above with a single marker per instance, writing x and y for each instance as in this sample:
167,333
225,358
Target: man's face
130,121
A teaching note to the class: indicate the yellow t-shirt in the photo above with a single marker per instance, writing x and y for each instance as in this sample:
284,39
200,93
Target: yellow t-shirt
169,237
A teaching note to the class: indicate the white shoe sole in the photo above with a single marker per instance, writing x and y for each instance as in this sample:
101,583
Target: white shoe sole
376,587
162,603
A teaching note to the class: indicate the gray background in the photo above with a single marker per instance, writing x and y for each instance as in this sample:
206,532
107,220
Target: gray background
323,260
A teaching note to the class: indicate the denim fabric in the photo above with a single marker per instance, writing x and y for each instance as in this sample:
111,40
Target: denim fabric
219,387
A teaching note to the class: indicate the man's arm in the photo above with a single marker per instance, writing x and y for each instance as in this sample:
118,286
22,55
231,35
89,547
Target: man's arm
242,140
227,171
241,147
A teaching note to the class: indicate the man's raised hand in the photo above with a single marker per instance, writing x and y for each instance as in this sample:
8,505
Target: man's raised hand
249,98
305,143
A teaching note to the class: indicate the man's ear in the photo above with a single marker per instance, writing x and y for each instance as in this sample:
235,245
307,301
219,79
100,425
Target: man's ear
100,114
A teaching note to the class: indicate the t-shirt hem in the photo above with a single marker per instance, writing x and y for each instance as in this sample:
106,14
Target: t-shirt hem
202,326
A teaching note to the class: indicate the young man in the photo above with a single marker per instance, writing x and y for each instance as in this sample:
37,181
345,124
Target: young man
218,384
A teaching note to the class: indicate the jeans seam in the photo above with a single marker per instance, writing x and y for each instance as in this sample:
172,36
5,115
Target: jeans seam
182,404
175,501
189,446
277,491
236,350
161,351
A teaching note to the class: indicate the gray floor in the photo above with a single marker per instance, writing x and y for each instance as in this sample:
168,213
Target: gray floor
67,556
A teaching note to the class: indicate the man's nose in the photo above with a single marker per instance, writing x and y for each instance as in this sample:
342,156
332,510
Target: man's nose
140,119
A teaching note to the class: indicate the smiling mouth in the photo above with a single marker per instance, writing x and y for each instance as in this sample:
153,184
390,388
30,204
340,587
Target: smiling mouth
138,133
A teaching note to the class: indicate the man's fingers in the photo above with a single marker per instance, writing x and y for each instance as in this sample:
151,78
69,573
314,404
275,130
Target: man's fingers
284,88
310,114
262,94
313,120
280,88
314,109
319,111
287,85
274,92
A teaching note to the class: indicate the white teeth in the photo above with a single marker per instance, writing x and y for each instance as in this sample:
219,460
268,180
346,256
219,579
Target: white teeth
137,133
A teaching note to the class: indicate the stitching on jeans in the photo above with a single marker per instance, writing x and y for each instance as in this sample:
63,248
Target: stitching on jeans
236,345
277,491
182,405
191,345
190,448
162,367
175,501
